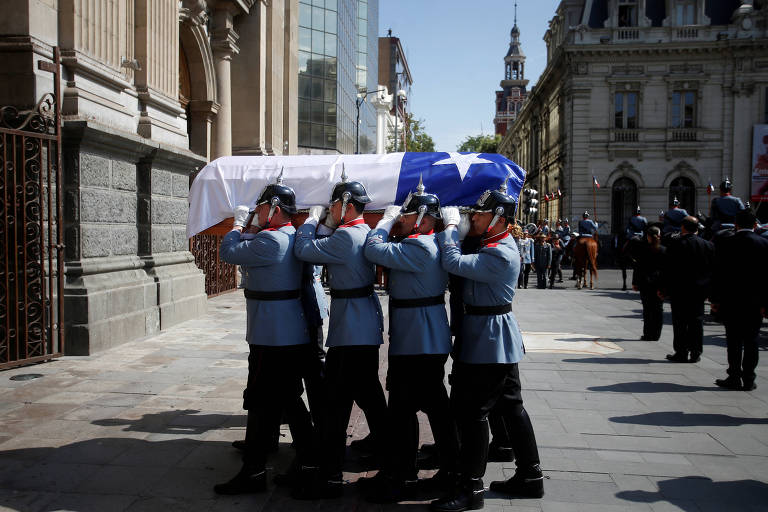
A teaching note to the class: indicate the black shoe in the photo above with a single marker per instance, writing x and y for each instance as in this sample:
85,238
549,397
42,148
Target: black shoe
469,496
695,357
524,484
239,445
730,383
246,481
385,489
443,480
749,386
290,478
500,453
313,486
644,338
366,444
677,357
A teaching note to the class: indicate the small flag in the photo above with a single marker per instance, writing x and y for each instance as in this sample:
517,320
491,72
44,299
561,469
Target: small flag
559,194
595,182
710,188
546,197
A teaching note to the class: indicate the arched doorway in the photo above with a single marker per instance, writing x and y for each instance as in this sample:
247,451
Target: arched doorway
623,203
684,190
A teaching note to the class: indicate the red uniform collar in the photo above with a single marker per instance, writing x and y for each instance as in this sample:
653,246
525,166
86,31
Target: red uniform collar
495,238
275,228
417,235
353,223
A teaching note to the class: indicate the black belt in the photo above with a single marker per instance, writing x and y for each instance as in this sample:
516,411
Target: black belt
416,303
352,293
487,310
276,295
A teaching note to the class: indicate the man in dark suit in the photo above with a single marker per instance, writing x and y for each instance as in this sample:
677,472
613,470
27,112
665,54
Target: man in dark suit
686,282
739,294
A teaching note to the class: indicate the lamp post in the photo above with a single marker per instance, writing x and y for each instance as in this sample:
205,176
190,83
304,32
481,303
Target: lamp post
358,103
400,95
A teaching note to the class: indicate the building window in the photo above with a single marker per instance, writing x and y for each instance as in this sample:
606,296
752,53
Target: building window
623,203
627,13
685,12
684,190
625,110
683,109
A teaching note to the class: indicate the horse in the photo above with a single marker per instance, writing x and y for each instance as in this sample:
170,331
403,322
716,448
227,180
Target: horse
626,256
585,253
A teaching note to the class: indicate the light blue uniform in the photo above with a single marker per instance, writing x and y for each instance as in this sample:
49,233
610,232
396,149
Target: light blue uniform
587,227
356,321
490,280
415,273
564,232
270,266
673,219
526,250
636,226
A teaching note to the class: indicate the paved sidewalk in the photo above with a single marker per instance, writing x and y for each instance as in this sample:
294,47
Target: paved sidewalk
147,426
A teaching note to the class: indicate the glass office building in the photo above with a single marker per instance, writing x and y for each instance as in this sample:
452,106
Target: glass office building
338,55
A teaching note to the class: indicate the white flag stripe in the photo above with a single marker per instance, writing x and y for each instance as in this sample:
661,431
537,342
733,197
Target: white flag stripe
228,182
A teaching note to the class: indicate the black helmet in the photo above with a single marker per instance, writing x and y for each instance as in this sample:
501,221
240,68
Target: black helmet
675,202
637,210
497,202
277,194
585,215
726,185
414,203
350,191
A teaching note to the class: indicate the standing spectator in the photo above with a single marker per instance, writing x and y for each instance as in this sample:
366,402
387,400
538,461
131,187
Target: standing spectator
687,276
649,264
542,259
740,295
544,229
557,257
526,258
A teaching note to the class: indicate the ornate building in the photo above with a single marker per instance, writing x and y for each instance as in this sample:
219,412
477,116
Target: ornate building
654,98
510,99
150,90
395,77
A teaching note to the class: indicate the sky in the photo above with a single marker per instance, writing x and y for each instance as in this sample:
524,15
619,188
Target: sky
455,50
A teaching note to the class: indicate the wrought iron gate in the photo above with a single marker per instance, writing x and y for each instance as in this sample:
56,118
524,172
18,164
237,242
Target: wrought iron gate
31,274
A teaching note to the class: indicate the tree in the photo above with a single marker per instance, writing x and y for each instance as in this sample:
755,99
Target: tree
416,139
480,144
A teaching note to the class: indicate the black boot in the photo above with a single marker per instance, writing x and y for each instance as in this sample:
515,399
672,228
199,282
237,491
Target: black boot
314,486
729,383
527,483
387,489
248,480
468,496
500,453
366,444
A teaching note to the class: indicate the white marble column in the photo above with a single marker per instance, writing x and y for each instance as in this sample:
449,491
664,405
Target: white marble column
224,46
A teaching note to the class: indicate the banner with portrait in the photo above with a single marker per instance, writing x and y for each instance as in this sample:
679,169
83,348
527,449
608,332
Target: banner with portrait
759,190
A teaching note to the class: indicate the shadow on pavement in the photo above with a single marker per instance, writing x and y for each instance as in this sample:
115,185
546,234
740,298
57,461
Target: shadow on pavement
185,421
651,387
687,492
612,360
684,419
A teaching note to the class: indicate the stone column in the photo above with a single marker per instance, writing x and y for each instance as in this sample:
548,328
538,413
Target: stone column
224,48
382,103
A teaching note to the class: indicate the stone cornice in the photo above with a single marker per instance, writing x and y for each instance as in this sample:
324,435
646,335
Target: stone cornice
94,69
159,100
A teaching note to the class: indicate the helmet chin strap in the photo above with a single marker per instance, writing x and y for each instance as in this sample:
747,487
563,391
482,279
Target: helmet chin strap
345,197
498,212
422,211
272,206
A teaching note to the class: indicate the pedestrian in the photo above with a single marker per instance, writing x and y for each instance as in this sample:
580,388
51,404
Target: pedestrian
557,257
542,259
419,343
486,363
354,333
281,348
740,296
686,281
649,265
526,259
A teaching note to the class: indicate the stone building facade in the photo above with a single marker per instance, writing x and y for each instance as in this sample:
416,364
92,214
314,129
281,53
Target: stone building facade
151,90
654,98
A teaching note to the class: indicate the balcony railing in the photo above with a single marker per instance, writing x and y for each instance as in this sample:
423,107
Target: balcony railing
627,34
625,135
683,135
687,33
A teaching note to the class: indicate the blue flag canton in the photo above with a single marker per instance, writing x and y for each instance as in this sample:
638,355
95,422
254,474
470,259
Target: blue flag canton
486,171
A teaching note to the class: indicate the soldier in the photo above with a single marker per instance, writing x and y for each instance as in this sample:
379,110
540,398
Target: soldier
725,207
485,366
281,351
565,232
674,218
354,333
636,226
419,342
542,260
587,227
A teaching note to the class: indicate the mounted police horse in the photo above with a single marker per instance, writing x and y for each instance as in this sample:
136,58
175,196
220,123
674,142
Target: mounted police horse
585,254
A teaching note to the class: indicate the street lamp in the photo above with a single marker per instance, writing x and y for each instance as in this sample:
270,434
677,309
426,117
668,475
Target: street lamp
358,103
400,95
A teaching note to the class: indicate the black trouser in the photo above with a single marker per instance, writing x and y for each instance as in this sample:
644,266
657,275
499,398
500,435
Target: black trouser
522,279
541,277
476,389
555,270
653,313
274,386
351,375
415,383
742,331
687,324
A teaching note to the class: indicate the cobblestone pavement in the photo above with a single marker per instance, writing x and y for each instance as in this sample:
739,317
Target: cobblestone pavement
147,426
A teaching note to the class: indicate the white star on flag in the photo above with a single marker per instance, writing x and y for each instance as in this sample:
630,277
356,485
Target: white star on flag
462,162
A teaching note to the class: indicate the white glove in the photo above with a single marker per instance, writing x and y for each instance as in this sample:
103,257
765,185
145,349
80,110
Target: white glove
329,221
450,215
391,213
241,214
464,226
316,213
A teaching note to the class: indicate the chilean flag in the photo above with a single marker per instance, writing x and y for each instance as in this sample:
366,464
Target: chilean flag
594,182
458,179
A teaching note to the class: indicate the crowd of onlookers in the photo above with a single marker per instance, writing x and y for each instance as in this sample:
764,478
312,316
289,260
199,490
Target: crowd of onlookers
542,250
